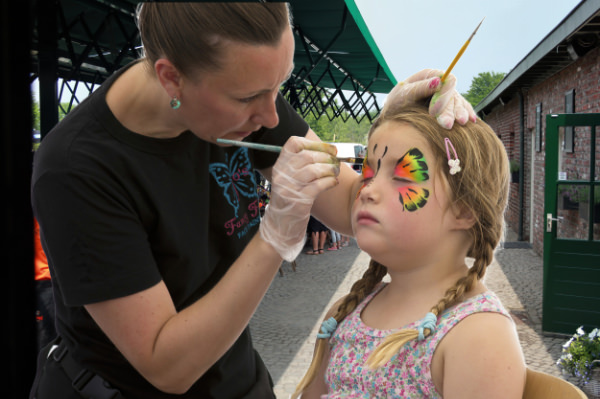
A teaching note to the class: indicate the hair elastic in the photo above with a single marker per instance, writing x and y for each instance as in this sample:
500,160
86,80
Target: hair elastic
327,328
453,163
429,322
175,103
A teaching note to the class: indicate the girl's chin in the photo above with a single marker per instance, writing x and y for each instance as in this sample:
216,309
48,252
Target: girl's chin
369,247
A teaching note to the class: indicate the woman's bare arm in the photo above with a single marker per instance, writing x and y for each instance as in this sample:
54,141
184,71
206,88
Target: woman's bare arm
173,349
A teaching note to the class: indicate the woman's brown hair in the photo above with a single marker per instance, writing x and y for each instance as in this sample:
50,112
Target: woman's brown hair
192,35
481,188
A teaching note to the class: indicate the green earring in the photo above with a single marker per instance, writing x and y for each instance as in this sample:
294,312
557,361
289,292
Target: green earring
175,103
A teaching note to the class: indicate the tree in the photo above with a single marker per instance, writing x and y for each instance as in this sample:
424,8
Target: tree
336,130
35,115
482,85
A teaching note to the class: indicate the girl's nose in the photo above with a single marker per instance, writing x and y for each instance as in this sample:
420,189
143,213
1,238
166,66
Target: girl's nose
369,191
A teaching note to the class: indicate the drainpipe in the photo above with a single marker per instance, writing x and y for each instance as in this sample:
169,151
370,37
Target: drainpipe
521,163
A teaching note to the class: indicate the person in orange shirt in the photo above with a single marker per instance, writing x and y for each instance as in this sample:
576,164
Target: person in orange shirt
44,308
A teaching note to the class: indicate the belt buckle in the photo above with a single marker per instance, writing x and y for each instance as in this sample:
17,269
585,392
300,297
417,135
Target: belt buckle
58,352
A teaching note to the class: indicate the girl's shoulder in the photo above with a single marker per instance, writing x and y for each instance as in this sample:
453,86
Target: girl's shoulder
483,346
480,315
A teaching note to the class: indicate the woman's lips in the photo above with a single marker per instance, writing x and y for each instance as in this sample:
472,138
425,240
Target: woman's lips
243,134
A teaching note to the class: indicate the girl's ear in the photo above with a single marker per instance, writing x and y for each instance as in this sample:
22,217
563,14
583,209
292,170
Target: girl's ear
463,218
168,76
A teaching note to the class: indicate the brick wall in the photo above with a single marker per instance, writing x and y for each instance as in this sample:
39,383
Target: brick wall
583,76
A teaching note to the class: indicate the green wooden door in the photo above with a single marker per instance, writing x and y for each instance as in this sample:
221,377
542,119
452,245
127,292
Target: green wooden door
571,296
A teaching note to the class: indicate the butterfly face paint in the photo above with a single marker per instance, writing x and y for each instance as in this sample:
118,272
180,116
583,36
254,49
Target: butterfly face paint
413,168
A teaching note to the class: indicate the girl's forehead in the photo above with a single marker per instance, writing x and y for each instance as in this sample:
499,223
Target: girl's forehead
393,137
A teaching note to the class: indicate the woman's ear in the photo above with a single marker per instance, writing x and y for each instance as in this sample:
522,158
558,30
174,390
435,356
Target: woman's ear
168,76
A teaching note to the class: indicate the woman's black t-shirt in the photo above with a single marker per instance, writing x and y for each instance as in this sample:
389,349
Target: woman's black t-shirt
120,211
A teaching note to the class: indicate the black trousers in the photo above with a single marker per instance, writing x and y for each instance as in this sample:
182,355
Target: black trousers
44,313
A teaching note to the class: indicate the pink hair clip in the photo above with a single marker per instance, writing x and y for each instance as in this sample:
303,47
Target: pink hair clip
453,163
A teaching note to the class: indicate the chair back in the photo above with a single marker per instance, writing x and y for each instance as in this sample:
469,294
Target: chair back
540,385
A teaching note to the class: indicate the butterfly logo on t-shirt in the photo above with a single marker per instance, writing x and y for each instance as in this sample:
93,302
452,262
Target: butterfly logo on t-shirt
236,177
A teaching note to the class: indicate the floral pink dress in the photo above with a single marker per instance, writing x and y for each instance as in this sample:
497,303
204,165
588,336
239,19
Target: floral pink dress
408,374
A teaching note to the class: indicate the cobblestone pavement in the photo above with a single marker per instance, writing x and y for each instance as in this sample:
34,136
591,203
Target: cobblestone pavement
287,321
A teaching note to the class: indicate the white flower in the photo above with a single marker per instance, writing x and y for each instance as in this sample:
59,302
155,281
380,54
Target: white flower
454,166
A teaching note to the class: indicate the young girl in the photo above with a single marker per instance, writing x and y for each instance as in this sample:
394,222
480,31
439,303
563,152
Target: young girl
430,197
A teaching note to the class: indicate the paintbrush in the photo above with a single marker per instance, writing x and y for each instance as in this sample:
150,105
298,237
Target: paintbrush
460,53
271,148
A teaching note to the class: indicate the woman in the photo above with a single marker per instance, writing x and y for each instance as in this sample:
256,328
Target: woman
150,227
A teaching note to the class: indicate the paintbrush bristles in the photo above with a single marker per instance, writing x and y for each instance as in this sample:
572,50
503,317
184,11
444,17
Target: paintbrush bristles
460,53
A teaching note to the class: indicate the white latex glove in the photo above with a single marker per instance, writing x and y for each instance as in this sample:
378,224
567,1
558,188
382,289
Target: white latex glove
447,105
303,170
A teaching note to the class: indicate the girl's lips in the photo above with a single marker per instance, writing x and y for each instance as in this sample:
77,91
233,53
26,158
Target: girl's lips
364,217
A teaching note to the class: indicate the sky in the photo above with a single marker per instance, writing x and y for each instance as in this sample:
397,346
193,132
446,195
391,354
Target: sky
418,34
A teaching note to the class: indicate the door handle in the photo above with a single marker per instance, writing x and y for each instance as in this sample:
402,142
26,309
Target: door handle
549,220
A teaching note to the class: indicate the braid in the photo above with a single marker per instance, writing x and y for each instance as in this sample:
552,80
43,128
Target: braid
360,289
392,344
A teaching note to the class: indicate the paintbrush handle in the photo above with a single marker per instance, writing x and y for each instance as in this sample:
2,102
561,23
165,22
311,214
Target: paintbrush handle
460,53
272,148
247,144
455,60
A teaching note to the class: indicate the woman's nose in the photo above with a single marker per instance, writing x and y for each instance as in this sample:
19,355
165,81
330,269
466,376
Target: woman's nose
266,113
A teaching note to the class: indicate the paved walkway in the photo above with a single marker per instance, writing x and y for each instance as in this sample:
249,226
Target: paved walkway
285,325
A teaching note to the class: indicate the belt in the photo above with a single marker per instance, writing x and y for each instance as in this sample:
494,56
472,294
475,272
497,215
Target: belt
88,384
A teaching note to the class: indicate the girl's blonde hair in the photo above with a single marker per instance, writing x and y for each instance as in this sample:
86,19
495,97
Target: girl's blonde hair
192,35
481,187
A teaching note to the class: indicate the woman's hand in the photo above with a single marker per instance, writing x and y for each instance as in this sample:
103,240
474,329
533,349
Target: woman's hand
447,105
303,170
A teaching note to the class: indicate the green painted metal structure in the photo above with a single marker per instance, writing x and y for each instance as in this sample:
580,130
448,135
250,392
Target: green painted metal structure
338,67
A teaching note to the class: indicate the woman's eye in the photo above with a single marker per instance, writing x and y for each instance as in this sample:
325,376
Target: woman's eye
248,99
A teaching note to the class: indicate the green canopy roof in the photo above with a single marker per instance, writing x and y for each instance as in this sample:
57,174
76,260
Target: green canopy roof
335,50
338,66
